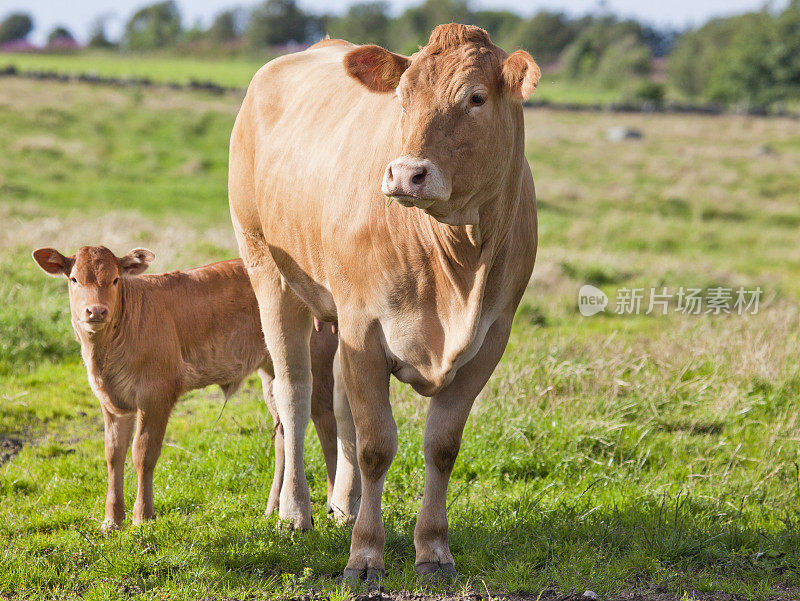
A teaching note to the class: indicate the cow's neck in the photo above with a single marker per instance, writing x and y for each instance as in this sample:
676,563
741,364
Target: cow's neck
466,251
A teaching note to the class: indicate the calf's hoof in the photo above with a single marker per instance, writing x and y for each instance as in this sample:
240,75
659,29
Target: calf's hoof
434,570
109,526
368,575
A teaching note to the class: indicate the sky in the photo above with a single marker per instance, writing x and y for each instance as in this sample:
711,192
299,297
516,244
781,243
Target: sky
78,15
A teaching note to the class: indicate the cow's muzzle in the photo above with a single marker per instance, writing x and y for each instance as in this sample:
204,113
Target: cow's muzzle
414,181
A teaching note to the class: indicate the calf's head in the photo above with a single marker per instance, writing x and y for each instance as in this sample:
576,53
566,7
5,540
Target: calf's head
461,122
94,274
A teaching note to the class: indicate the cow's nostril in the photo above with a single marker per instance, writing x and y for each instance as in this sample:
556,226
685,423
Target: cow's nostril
389,175
419,177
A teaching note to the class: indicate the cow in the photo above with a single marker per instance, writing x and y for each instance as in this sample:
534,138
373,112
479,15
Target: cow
147,339
390,194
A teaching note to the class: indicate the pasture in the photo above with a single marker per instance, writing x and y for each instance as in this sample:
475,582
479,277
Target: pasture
650,454
236,72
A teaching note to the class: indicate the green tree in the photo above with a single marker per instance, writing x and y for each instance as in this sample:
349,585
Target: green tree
608,51
97,35
545,36
155,26
698,53
413,27
751,58
223,29
59,33
501,25
363,23
15,26
277,22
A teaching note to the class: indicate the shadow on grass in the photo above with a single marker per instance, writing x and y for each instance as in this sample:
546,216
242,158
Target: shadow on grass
674,544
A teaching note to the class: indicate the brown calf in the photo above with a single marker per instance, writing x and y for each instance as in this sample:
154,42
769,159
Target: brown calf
147,340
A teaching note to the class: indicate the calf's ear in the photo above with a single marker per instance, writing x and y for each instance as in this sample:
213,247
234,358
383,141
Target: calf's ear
136,261
53,262
520,75
376,68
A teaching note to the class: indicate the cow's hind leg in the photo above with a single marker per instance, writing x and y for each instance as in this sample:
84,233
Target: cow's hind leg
118,430
347,483
287,328
323,348
444,426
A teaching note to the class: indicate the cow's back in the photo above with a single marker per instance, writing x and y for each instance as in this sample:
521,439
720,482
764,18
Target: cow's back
308,152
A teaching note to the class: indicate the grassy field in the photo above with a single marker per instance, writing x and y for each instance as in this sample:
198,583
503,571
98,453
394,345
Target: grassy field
652,454
237,72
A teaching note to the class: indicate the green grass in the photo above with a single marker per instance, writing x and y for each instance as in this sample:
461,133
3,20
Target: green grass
237,72
161,69
614,453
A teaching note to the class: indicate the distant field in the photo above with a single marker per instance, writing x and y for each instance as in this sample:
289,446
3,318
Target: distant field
238,72
163,69
654,455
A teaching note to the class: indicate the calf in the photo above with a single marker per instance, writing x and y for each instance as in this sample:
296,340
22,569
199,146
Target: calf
146,340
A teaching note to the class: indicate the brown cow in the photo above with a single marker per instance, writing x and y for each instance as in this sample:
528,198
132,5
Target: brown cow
424,288
147,340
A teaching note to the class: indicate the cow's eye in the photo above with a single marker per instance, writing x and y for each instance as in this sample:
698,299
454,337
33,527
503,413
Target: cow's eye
115,282
73,280
477,99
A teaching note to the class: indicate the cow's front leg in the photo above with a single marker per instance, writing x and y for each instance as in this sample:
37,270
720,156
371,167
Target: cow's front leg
118,430
366,376
444,426
151,425
347,483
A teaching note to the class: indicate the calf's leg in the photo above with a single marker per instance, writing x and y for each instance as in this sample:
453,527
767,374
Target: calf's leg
117,437
447,415
277,478
346,495
366,377
151,425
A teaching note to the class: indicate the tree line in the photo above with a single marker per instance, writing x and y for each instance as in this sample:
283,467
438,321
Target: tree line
751,59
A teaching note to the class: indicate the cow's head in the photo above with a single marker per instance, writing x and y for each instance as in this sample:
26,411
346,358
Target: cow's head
461,117
94,274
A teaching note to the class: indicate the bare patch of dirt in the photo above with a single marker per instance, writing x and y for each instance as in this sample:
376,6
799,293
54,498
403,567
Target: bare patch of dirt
9,447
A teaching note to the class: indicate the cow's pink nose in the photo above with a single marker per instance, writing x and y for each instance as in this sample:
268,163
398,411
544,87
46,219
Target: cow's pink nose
406,177
96,313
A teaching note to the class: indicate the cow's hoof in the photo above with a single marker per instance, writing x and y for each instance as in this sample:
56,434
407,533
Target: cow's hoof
368,575
109,526
435,570
298,525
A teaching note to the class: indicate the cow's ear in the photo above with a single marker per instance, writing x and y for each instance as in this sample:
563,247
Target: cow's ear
376,68
520,75
136,261
53,262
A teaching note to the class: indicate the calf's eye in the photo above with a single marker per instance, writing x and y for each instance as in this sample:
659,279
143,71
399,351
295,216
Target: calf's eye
73,280
114,283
